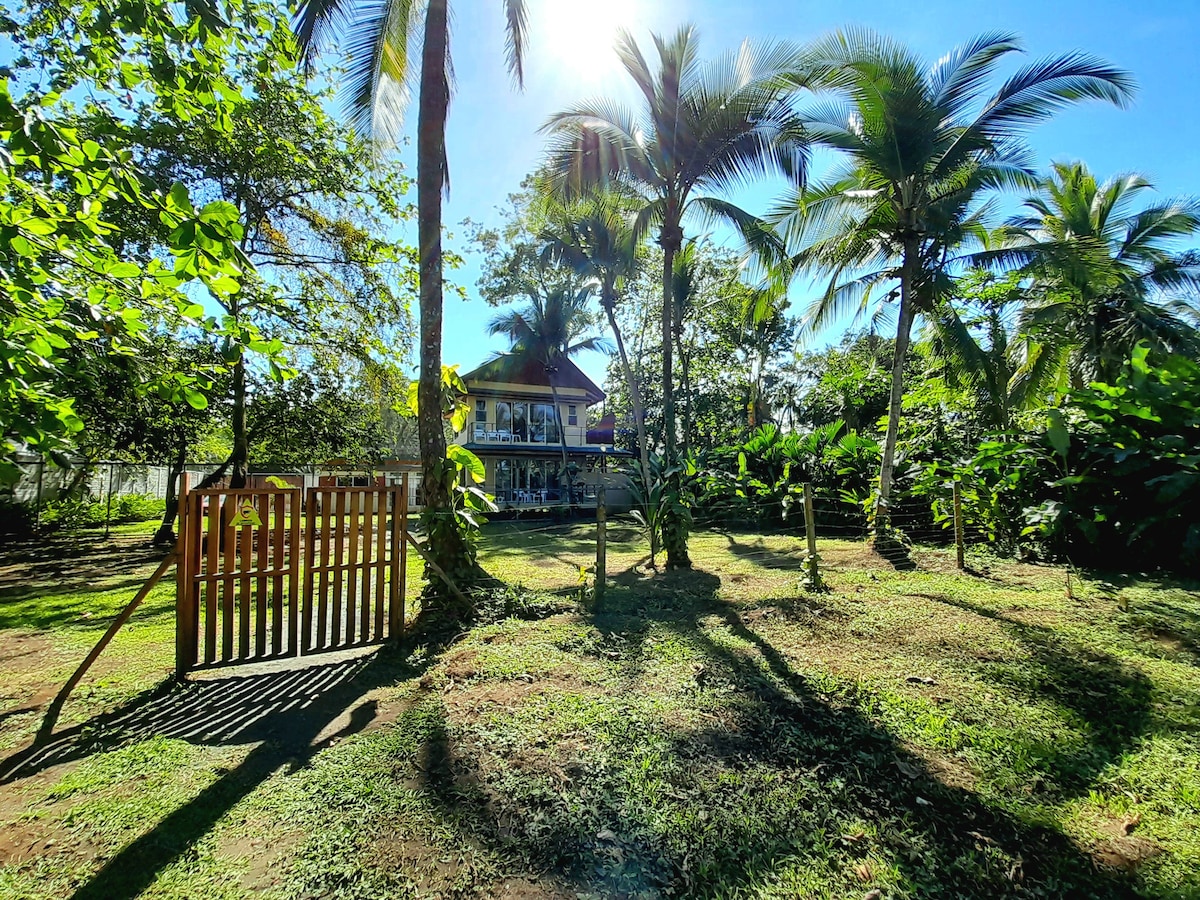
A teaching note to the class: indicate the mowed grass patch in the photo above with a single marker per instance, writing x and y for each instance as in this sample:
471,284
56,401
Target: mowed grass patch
714,733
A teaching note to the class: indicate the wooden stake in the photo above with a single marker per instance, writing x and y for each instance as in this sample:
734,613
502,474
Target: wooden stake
601,545
810,533
958,528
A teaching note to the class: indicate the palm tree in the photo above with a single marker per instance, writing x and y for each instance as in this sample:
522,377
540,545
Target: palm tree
704,127
378,37
923,144
1107,274
550,328
972,343
596,240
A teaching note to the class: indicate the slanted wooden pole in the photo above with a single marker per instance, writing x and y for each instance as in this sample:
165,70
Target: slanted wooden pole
601,544
55,708
958,528
810,533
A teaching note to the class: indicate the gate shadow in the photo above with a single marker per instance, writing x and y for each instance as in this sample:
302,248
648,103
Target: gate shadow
290,715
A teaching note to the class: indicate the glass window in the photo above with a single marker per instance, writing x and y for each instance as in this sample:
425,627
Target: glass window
504,479
572,416
481,411
520,424
504,422
542,425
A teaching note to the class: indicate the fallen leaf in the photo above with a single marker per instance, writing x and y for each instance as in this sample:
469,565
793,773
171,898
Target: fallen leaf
1131,823
876,894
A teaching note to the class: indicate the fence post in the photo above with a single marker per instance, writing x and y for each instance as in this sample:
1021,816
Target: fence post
601,545
108,503
37,509
958,527
811,566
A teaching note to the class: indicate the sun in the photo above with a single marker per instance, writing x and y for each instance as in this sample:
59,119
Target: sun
576,37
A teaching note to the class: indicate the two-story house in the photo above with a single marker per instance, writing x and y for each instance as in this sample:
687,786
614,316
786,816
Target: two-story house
513,429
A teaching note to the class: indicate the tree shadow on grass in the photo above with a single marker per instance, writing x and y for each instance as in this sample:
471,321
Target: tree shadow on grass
762,555
789,777
1109,698
290,714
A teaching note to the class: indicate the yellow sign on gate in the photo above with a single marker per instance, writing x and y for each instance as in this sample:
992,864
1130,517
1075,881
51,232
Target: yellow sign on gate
245,515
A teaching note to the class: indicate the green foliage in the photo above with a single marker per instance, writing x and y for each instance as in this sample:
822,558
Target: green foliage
66,275
761,482
71,513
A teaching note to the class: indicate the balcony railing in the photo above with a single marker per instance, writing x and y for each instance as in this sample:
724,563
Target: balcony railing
489,433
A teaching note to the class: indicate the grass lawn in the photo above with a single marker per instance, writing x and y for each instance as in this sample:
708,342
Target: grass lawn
714,733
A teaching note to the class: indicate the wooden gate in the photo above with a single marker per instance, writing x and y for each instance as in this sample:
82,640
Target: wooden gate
278,572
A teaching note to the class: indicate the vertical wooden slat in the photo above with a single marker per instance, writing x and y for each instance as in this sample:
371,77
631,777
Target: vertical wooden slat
294,505
310,558
403,550
185,649
380,561
212,586
228,564
279,504
352,565
195,564
262,560
364,594
323,576
395,598
339,542
245,548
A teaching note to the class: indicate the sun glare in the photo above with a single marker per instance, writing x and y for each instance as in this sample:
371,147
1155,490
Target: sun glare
576,37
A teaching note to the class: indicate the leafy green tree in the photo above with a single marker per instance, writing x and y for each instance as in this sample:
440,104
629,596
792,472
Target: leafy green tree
378,38
704,127
922,147
313,206
1107,274
66,275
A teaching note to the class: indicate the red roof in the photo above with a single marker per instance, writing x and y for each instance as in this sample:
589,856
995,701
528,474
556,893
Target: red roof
508,368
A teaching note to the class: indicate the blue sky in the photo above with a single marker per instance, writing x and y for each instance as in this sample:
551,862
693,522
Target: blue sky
493,135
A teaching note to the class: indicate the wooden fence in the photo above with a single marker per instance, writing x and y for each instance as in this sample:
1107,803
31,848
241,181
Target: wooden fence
271,573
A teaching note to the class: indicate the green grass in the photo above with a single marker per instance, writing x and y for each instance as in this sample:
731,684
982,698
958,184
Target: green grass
717,733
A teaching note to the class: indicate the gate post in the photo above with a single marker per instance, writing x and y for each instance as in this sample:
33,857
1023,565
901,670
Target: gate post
185,597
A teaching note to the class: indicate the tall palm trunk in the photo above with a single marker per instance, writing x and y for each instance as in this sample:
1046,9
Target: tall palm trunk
887,466
446,545
635,398
564,481
674,529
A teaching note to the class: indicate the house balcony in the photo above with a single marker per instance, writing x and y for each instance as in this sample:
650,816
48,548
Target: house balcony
528,436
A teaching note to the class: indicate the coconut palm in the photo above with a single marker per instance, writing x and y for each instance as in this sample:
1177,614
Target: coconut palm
1107,274
595,239
377,38
703,128
923,145
550,328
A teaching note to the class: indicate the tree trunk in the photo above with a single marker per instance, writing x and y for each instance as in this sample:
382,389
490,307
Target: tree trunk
166,530
674,528
565,477
635,398
903,331
240,458
685,383
447,548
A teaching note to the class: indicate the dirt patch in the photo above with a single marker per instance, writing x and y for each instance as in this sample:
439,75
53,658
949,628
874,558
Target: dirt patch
1120,848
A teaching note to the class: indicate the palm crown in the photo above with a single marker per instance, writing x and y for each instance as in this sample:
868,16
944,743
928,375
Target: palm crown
923,146
1102,270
